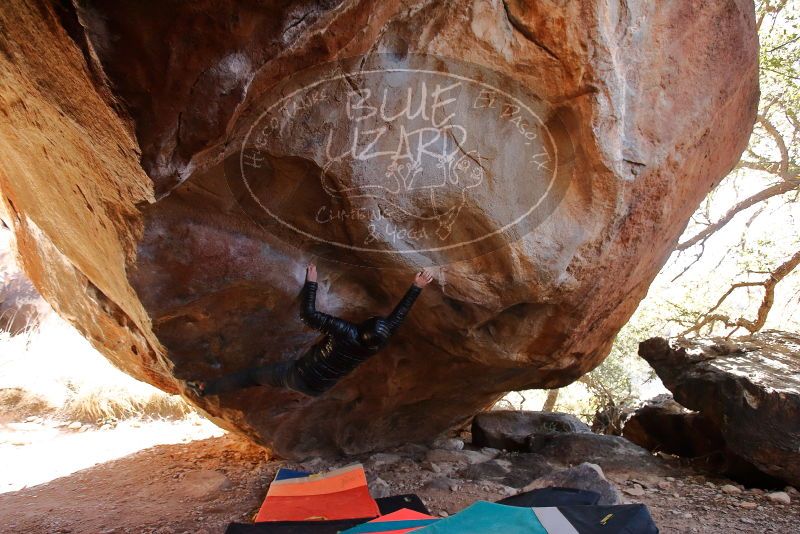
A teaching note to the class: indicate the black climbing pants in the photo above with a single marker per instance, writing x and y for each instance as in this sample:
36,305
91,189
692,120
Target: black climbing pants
280,374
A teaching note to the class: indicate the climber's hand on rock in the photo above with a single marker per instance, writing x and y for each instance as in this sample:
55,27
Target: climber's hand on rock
311,273
198,387
423,278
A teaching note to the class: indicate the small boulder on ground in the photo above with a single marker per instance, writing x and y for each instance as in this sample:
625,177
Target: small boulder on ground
450,444
442,484
586,476
382,459
730,489
779,497
612,453
493,470
379,488
510,429
439,456
635,491
203,484
514,471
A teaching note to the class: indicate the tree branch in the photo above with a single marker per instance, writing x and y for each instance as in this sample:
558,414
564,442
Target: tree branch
709,318
785,43
550,401
784,74
765,8
778,138
691,264
772,191
771,167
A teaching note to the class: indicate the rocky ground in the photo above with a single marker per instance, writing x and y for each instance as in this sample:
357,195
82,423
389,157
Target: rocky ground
203,485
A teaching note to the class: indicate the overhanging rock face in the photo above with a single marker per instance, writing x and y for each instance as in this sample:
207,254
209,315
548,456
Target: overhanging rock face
169,169
748,390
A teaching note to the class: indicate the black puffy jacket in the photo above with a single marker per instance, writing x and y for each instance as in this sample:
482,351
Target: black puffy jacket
345,344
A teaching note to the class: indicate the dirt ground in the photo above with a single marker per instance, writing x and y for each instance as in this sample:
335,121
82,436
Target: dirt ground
201,486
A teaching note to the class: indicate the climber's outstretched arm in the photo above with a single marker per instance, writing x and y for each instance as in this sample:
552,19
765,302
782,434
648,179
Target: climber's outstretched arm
422,279
327,324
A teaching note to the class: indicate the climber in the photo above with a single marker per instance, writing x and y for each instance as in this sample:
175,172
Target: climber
344,347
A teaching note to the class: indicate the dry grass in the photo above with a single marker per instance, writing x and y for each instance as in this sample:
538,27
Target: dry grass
103,404
19,403
52,370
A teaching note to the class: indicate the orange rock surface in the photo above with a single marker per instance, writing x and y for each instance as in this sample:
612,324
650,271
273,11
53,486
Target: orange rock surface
579,139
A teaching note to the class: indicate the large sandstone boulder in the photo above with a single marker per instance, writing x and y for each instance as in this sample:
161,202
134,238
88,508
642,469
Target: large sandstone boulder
748,390
170,167
663,425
